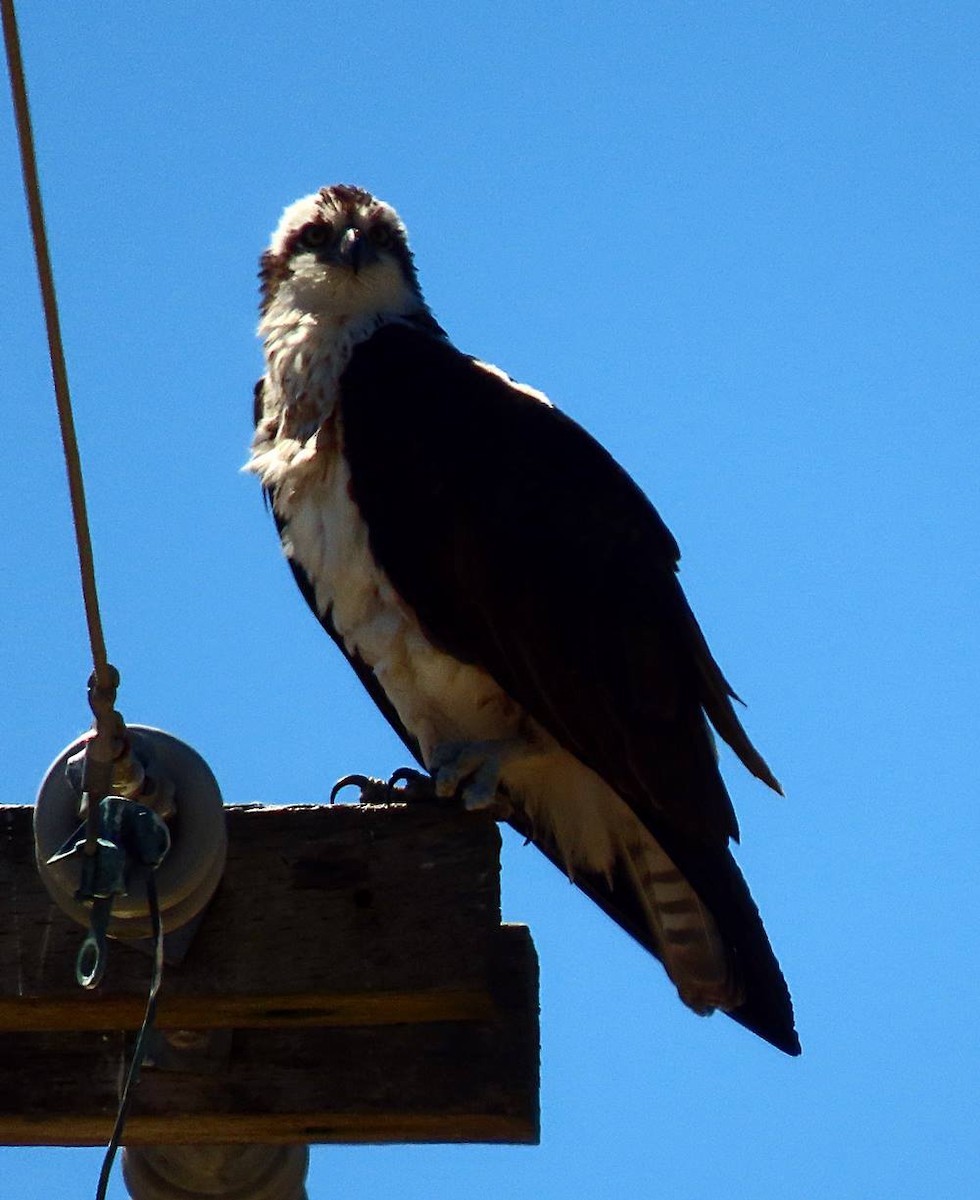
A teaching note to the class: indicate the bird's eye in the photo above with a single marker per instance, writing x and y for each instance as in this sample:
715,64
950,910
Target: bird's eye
381,236
313,236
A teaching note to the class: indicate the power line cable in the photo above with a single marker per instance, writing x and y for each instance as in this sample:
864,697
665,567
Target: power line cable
105,676
109,740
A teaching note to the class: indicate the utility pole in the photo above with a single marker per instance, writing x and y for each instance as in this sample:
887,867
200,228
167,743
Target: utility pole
350,982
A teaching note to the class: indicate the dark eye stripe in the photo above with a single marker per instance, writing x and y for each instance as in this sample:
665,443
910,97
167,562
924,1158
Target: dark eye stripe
381,235
318,233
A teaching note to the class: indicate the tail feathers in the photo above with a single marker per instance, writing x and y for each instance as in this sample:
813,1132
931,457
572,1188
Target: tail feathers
765,1006
743,980
685,933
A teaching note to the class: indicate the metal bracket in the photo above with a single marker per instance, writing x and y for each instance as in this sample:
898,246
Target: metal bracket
172,783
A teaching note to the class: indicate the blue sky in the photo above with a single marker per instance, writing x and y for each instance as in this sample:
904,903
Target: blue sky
739,243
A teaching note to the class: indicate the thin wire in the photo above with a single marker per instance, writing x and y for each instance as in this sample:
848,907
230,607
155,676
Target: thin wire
56,351
139,1050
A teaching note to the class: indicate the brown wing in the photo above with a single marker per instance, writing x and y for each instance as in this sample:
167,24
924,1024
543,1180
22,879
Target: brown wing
522,546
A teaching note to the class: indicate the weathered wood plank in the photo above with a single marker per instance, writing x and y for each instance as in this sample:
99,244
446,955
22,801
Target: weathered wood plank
451,1081
326,915
356,954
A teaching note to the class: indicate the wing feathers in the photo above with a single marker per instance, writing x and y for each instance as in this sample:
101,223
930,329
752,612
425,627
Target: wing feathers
521,546
717,696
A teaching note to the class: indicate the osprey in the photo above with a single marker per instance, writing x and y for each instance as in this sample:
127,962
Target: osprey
508,597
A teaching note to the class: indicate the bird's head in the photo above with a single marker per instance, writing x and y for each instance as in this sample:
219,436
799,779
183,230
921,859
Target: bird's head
340,256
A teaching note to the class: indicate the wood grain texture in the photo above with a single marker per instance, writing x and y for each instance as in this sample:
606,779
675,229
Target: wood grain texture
326,915
355,952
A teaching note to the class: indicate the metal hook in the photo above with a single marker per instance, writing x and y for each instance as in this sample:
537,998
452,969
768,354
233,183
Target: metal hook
92,955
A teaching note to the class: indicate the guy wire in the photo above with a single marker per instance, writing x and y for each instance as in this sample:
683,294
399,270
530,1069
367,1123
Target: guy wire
104,674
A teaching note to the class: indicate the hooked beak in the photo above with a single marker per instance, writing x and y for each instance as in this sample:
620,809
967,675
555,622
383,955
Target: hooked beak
354,250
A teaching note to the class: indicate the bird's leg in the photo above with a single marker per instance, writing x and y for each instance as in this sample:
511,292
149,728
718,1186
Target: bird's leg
467,772
472,771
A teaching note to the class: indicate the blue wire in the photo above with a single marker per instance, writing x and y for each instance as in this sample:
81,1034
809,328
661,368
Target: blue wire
139,1049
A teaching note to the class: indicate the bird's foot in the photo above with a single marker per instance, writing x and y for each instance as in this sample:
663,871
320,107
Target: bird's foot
461,772
470,771
405,786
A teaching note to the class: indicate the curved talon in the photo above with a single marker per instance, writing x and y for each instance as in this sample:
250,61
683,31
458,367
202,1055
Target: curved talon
418,787
407,775
362,781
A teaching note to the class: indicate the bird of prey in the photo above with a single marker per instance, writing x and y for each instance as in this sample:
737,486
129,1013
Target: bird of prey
509,598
